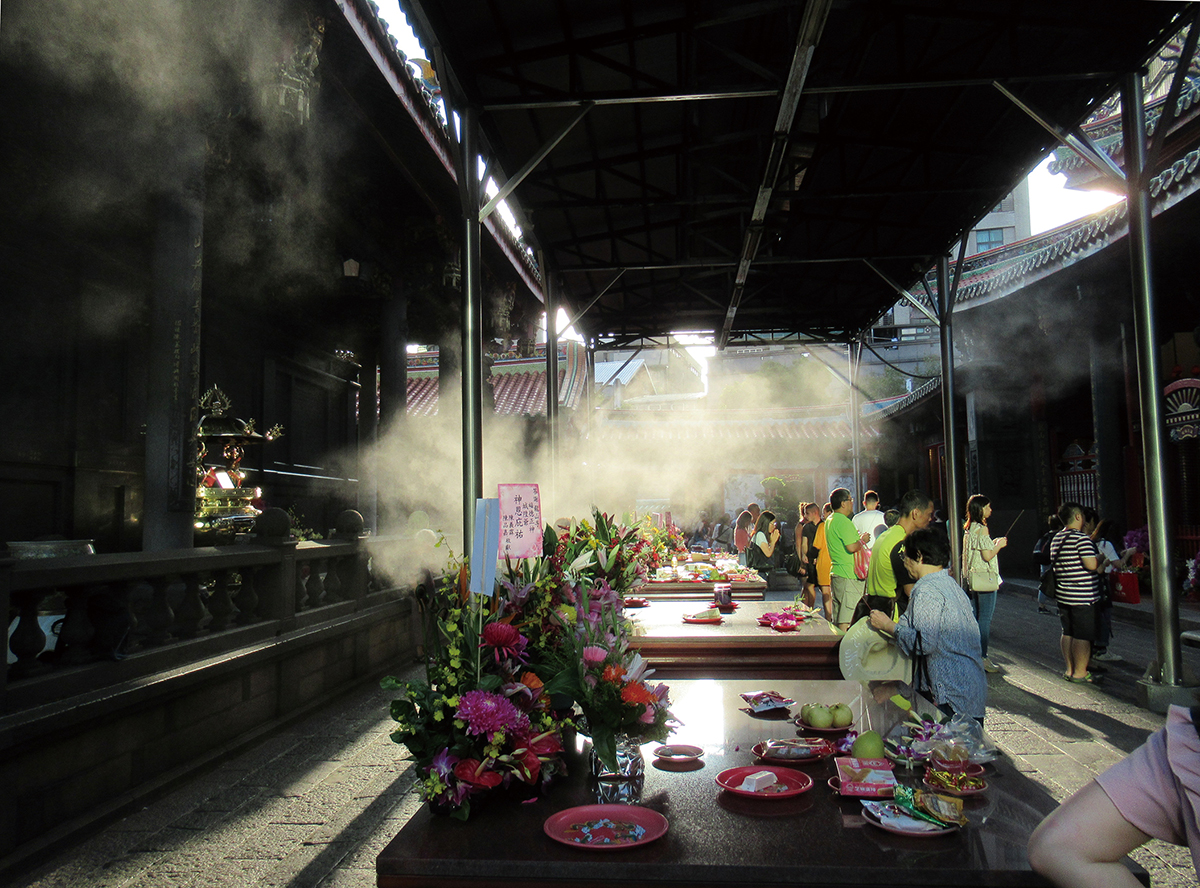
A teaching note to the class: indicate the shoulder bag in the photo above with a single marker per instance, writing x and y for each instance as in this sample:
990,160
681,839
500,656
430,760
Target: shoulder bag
982,577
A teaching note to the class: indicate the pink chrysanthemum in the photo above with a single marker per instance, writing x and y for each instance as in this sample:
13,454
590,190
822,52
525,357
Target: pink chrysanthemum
486,713
593,655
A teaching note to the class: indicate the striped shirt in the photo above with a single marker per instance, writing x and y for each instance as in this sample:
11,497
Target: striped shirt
1076,584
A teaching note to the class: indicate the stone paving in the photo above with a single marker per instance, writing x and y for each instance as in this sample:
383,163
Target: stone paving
314,804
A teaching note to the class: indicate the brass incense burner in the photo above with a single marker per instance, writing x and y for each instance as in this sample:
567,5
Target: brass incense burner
224,503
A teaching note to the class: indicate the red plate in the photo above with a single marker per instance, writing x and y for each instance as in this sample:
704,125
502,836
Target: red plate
733,604
836,785
606,827
637,602
792,782
914,834
954,792
708,621
821,753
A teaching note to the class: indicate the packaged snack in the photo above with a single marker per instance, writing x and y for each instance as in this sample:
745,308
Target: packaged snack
761,701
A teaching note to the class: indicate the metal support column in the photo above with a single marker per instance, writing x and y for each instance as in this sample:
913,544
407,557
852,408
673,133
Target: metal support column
1156,690
854,349
472,329
551,378
953,504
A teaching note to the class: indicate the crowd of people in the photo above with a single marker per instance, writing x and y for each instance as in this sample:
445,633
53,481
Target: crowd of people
893,568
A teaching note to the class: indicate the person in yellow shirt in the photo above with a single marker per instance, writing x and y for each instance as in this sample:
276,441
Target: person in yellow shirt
887,578
824,564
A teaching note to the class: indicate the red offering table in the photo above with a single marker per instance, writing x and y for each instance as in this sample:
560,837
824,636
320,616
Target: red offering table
715,837
737,646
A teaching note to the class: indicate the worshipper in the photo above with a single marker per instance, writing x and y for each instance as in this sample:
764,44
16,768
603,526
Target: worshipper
806,549
980,558
888,583
870,519
1041,557
1075,561
824,563
843,542
760,554
1103,536
939,629
1152,793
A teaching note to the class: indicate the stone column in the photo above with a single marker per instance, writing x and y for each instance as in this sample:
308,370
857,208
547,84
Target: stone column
173,369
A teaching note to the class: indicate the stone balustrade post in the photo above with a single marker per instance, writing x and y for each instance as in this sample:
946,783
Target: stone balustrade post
219,603
315,585
159,615
352,570
192,612
276,583
74,639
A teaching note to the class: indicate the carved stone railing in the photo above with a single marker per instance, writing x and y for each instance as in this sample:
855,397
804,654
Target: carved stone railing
180,604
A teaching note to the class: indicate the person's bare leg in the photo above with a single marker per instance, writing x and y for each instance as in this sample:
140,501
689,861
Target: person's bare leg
827,602
1081,652
1064,644
1081,843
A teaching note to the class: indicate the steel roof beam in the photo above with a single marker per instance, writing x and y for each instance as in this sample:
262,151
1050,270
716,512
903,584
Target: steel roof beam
1075,139
760,93
904,294
633,99
811,26
517,178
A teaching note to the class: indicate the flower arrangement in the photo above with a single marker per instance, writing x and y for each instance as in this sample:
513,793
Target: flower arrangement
600,551
482,718
655,546
607,679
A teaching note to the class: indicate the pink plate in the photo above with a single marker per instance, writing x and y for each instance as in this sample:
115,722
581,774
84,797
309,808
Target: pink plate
819,753
708,621
788,782
974,770
954,792
679,752
784,627
914,834
606,827
836,785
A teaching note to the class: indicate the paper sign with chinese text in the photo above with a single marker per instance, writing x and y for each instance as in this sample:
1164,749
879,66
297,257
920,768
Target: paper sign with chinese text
520,521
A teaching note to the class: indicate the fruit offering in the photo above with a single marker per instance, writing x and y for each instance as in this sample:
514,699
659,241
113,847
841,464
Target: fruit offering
817,715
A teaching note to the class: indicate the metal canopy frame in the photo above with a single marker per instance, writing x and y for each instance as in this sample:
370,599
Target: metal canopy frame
739,162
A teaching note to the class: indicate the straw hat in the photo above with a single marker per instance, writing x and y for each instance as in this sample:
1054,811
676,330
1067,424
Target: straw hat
866,654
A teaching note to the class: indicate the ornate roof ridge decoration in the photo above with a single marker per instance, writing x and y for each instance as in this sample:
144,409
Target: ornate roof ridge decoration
1182,409
428,116
518,382
914,397
1005,270
731,414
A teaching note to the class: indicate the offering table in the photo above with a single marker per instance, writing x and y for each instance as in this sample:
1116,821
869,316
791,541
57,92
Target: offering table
717,838
737,646
701,590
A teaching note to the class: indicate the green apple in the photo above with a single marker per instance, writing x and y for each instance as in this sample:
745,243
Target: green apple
819,717
867,745
805,710
842,715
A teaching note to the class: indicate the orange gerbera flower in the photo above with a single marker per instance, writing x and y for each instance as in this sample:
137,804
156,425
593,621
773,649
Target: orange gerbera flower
532,682
613,673
636,692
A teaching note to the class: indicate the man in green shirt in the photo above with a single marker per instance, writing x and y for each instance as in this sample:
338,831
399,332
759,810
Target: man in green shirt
886,577
843,540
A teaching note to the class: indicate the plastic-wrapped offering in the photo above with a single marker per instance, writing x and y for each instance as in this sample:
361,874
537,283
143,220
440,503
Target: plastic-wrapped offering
761,701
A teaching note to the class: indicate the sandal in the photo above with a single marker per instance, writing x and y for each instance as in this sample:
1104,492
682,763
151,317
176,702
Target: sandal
1086,679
